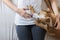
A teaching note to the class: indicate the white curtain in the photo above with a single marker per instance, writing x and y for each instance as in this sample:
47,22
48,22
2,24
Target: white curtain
7,28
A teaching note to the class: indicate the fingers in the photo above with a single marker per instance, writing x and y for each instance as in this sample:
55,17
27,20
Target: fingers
27,16
57,24
23,13
57,21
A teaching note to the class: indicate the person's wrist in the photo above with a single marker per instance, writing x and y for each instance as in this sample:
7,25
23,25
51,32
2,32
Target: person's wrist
56,15
18,10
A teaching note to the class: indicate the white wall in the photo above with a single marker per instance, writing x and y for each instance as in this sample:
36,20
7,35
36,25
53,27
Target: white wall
7,27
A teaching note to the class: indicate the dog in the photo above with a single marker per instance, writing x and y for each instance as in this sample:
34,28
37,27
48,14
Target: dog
46,20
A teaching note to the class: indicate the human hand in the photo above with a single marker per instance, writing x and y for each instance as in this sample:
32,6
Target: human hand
57,23
23,13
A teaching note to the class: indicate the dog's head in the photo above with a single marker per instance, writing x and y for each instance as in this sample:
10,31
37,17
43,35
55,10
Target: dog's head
45,16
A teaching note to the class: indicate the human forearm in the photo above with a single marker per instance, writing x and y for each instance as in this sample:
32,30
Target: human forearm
13,7
10,5
54,6
20,11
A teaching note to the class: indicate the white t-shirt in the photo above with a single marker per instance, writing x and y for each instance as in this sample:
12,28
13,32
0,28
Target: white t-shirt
19,20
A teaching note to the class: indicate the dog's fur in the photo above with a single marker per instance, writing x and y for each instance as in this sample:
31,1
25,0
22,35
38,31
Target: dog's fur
47,23
52,34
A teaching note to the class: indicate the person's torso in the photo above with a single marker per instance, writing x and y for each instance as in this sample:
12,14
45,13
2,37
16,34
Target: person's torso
19,20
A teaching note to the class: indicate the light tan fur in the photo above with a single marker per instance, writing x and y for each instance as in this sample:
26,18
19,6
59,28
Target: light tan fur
47,23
